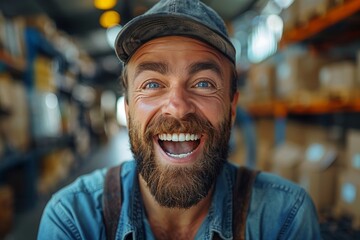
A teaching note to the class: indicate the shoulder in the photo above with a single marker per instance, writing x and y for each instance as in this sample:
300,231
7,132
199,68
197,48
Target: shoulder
282,203
90,184
76,210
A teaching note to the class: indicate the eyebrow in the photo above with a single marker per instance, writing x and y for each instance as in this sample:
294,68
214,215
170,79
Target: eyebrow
159,67
206,65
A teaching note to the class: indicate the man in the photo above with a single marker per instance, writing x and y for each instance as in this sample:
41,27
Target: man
180,90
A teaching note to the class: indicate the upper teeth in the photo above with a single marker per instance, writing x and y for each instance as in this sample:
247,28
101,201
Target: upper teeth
178,137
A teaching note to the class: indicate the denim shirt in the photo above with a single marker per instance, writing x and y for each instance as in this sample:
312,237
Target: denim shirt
278,209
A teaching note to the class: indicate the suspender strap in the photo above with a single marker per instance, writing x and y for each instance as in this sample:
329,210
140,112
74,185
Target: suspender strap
241,200
112,201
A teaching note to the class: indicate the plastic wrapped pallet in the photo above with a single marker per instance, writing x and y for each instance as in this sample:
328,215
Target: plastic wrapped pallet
45,115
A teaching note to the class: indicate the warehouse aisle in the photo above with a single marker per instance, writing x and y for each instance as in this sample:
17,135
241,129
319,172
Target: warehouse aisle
114,152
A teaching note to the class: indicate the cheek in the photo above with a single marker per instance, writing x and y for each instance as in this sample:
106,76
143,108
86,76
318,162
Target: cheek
213,109
142,110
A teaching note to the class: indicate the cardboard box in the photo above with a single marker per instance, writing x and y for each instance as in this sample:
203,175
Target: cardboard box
286,160
290,16
19,125
15,126
296,133
261,82
6,210
5,91
353,150
338,80
318,174
348,199
299,72
309,9
44,75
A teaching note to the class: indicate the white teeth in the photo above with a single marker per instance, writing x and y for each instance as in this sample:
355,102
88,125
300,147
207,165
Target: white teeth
183,155
175,137
178,137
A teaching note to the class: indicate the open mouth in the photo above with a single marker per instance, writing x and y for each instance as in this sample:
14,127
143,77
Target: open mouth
178,145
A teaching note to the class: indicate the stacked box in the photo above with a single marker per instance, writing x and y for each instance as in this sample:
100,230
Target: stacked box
54,168
338,80
297,74
290,16
309,9
14,128
261,82
18,135
6,210
12,36
265,140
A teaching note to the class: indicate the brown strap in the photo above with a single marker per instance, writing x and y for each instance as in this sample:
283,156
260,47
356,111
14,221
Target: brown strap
112,201
241,201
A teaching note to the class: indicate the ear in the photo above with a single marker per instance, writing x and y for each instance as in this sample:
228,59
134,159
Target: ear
233,107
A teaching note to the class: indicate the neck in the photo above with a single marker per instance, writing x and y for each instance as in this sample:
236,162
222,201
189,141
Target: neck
173,223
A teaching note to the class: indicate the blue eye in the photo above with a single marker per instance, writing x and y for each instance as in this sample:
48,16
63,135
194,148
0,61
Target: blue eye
152,85
203,84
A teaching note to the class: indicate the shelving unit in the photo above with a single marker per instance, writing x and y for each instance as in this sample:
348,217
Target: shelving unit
283,108
315,26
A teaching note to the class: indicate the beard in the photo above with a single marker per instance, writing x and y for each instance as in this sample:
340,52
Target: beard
180,186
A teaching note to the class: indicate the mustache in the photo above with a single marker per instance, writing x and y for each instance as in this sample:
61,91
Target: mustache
190,123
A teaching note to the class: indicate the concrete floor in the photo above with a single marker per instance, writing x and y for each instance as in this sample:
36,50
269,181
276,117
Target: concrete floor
117,150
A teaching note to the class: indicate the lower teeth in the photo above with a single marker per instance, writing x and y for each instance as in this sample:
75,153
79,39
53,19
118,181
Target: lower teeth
182,155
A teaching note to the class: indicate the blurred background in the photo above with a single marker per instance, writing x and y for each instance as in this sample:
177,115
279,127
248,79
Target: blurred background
61,105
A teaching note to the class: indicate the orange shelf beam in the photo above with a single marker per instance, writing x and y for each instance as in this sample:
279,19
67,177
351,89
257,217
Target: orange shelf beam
320,23
17,64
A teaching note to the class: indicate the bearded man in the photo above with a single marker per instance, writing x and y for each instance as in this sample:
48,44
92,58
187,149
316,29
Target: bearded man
180,88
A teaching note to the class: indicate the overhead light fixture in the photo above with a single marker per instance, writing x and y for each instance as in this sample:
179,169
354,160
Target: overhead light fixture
109,19
104,4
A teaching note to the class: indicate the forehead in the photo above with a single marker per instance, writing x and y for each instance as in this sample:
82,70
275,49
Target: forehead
176,44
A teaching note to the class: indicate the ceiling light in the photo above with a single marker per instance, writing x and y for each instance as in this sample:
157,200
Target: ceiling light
104,4
109,19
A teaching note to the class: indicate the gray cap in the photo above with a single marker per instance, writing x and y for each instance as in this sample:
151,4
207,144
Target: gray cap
190,18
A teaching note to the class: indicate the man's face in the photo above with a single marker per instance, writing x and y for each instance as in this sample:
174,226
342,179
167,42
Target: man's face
180,114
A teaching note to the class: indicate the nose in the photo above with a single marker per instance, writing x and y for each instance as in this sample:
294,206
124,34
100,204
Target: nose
179,103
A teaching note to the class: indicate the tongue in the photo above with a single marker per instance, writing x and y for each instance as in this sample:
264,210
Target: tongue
178,147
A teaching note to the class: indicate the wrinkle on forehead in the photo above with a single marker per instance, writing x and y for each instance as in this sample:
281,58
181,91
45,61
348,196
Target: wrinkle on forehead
176,43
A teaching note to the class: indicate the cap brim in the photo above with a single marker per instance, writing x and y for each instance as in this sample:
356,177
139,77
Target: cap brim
147,27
